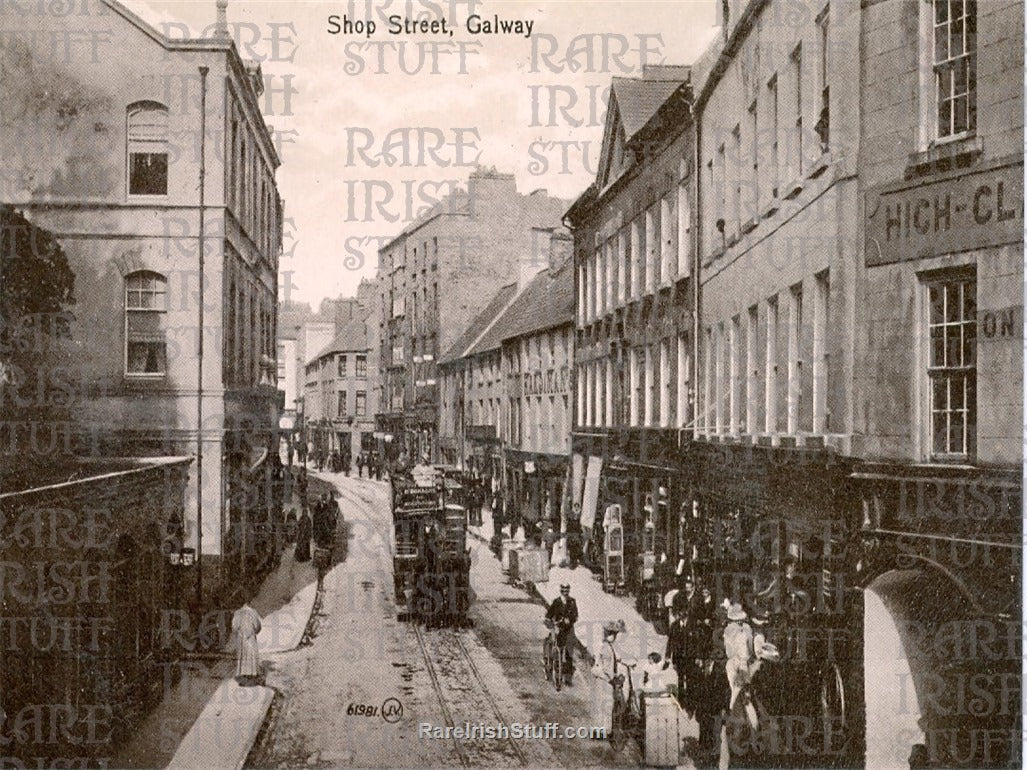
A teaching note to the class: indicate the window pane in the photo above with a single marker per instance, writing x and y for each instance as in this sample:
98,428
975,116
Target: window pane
941,43
953,301
939,425
960,73
937,303
969,302
944,108
956,393
146,357
956,39
941,11
148,173
960,119
940,395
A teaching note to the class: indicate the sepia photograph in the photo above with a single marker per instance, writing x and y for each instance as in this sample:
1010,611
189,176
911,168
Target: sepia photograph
511,383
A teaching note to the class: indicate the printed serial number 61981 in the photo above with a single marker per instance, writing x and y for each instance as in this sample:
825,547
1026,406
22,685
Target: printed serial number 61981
361,710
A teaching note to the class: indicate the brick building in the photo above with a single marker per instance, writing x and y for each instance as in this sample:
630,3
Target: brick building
105,153
633,252
434,279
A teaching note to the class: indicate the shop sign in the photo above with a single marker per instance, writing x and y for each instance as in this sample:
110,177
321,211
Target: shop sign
959,213
545,383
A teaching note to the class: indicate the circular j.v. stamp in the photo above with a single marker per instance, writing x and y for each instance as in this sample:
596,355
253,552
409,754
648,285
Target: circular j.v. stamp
392,710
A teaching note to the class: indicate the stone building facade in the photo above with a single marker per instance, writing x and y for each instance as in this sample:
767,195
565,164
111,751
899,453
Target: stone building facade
110,162
938,395
341,391
634,251
438,275
89,649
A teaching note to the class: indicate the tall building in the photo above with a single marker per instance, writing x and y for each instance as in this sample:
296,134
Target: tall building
633,258
152,166
506,392
938,393
434,278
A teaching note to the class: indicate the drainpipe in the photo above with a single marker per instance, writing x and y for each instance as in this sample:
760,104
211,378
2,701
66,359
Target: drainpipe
199,347
697,263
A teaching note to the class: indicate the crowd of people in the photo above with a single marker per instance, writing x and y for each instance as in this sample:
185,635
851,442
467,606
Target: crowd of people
713,663
343,462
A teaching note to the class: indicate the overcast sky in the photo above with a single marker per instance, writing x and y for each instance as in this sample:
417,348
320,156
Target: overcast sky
490,97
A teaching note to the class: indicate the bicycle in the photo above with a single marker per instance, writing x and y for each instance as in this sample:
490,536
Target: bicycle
626,720
552,657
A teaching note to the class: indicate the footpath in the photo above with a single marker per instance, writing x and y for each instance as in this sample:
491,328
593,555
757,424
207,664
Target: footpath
595,606
207,720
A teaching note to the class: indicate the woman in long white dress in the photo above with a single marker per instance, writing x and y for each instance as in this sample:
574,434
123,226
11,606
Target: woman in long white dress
608,660
245,627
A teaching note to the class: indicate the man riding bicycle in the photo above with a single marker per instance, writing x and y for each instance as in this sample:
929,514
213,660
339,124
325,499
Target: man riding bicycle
563,613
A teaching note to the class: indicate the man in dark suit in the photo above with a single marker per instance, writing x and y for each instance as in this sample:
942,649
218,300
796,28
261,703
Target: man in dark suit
686,643
563,612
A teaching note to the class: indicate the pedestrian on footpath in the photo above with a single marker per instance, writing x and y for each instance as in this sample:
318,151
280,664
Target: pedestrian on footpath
611,667
304,529
290,526
245,627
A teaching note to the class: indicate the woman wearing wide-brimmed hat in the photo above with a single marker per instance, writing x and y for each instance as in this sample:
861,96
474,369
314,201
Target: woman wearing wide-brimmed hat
609,659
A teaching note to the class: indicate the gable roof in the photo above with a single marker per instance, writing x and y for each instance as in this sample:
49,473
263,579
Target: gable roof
639,109
638,100
480,325
352,336
546,302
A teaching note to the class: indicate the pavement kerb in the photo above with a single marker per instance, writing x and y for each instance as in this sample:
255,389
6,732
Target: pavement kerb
208,744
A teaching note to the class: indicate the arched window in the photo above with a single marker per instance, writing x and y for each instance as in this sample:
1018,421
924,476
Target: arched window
145,322
147,149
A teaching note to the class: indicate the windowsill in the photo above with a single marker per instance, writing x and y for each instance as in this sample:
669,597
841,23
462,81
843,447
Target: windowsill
820,164
750,225
944,155
733,239
772,207
140,379
792,189
147,198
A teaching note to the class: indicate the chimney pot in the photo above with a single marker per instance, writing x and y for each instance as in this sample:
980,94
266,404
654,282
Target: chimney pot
222,18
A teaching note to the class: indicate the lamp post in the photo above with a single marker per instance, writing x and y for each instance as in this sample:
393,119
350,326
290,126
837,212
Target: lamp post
301,420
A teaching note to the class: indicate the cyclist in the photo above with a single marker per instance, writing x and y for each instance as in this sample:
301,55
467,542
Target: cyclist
563,612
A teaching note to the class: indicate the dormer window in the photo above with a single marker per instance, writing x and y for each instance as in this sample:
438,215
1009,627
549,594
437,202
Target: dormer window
147,149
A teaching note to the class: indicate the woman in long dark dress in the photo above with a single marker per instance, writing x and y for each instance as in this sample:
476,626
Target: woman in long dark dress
303,532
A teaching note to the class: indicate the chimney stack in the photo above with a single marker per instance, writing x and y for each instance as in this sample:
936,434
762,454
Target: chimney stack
222,19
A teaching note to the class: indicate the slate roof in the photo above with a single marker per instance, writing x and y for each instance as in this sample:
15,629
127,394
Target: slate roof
353,336
638,100
480,324
547,301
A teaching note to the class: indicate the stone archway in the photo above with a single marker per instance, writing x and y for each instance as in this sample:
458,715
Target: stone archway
917,629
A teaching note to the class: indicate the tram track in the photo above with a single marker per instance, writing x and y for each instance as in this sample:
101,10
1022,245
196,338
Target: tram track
444,649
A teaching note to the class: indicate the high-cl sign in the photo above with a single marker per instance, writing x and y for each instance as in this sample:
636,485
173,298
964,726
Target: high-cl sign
960,213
